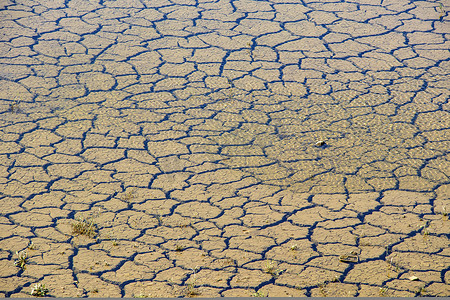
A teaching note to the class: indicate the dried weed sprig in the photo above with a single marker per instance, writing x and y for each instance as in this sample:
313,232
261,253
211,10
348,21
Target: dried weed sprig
14,107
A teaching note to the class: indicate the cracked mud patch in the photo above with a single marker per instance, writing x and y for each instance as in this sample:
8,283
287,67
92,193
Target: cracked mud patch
234,148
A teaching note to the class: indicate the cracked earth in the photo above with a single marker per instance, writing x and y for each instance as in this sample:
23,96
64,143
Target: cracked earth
181,148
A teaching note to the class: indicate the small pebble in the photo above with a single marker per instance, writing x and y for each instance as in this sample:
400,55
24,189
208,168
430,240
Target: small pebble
320,143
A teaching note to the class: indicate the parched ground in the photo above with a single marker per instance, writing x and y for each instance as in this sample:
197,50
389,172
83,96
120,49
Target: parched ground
171,148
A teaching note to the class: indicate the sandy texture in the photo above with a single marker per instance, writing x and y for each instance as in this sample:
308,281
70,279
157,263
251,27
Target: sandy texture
161,148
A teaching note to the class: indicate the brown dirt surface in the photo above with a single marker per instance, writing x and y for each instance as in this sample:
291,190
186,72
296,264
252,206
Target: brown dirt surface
224,148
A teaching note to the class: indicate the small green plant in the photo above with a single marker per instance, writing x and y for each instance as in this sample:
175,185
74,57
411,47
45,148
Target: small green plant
441,11
294,249
259,293
384,291
83,226
191,289
272,269
392,266
422,291
444,213
22,258
159,219
140,295
39,290
179,248
31,246
425,231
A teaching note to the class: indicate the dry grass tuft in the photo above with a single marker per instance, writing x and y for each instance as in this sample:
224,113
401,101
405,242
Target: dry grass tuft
85,227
